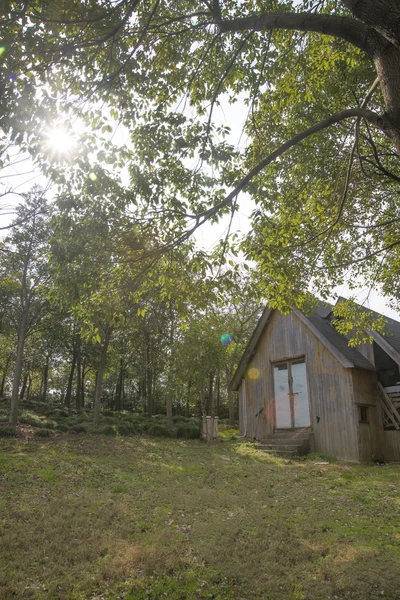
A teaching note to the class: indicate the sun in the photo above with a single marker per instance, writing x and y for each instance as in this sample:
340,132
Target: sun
59,141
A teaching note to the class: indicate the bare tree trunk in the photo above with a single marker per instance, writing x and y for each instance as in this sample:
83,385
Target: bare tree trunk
3,379
68,393
170,422
28,390
18,370
45,378
118,390
83,384
218,384
189,387
202,402
210,407
231,408
24,386
99,378
78,395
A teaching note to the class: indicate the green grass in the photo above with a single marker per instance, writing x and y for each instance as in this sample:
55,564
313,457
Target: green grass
136,518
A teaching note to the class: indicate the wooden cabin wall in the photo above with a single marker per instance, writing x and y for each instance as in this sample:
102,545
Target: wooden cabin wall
370,435
391,445
329,385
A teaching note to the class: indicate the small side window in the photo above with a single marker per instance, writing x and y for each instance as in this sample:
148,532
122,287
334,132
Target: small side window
363,413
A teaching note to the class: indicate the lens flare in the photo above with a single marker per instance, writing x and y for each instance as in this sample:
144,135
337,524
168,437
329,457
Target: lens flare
2,50
93,176
225,339
59,140
253,373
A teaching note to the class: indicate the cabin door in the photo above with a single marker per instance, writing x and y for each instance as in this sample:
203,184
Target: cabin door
291,395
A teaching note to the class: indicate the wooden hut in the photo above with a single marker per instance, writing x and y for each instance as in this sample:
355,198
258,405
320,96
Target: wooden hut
303,388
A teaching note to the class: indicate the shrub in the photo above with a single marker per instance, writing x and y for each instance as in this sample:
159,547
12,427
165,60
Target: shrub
188,431
106,430
180,419
49,424
159,430
31,419
62,412
78,428
62,427
108,413
43,433
83,418
159,418
109,420
8,432
126,429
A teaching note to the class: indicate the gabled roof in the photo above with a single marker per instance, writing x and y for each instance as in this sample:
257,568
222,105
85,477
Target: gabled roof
319,324
390,341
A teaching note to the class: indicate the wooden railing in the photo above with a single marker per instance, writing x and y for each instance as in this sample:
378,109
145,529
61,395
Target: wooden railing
390,404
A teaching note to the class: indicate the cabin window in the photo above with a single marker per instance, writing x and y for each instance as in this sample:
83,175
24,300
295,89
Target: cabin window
363,413
291,394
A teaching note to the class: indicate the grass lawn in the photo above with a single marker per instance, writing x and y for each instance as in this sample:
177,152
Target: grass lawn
85,516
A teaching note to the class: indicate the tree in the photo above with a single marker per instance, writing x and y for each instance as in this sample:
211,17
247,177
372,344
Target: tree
308,70
24,274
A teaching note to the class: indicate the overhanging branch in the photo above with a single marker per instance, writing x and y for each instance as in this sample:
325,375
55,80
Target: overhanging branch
351,30
363,113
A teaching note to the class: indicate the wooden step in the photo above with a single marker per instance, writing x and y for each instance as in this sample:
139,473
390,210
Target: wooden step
278,447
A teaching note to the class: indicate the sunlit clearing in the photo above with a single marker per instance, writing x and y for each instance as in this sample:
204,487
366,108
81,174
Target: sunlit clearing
59,141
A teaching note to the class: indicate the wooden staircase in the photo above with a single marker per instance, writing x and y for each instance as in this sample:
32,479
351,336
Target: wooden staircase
287,442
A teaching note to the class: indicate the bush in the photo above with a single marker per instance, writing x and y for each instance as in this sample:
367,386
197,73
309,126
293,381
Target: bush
62,427
108,413
8,432
31,419
43,433
78,428
180,419
106,430
109,420
49,424
159,430
159,418
188,431
126,429
83,418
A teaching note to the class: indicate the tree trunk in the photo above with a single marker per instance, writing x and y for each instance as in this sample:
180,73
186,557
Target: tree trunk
78,395
18,369
170,422
210,407
3,379
45,378
83,384
68,393
218,384
202,402
189,387
99,378
28,389
23,387
231,408
387,66
382,15
118,390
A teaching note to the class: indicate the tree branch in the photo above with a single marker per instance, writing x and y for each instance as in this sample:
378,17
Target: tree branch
370,116
350,30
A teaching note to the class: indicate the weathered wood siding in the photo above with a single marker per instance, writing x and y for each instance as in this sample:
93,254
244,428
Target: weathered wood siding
370,435
334,417
391,447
